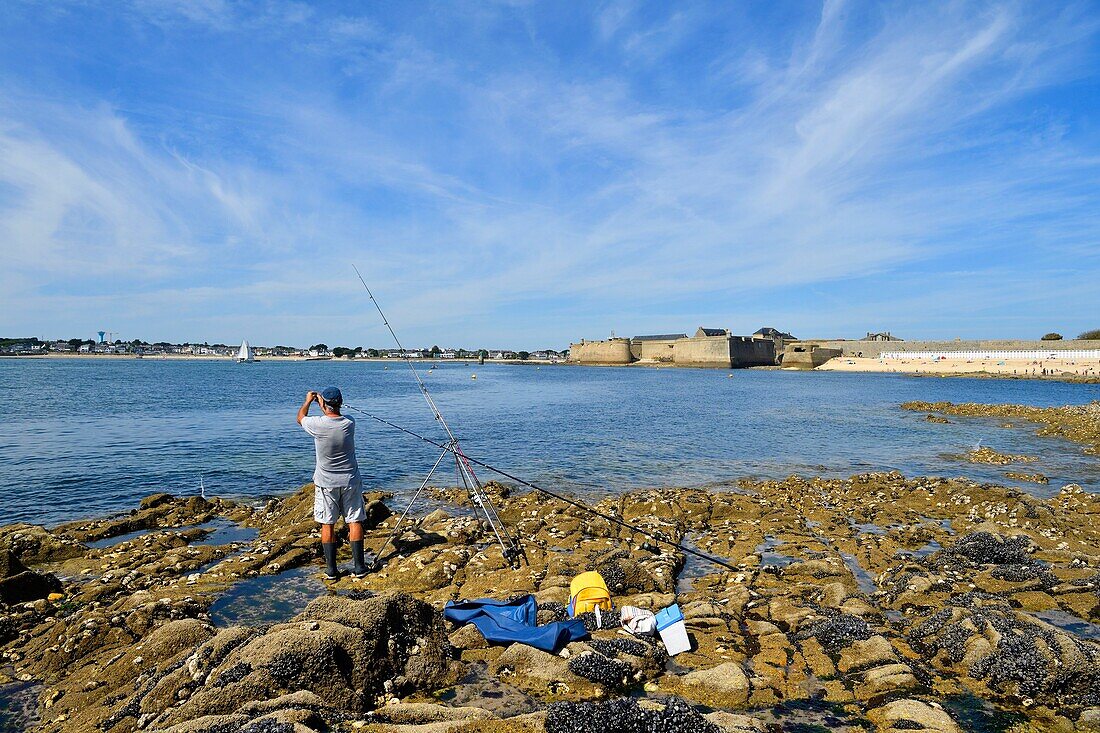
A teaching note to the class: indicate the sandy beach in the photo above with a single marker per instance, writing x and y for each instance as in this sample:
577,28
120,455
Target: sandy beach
1020,368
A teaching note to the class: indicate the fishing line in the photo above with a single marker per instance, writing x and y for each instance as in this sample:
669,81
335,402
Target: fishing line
512,550
553,494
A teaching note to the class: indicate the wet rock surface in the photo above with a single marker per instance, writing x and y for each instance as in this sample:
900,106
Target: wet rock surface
996,458
894,597
1080,423
672,715
19,584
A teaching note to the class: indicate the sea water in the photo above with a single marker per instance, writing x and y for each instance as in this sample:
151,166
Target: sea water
87,437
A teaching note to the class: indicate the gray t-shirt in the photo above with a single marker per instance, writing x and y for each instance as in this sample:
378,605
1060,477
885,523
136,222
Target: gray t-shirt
334,443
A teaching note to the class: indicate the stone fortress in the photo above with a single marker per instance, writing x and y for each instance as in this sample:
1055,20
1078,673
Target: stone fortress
718,348
709,347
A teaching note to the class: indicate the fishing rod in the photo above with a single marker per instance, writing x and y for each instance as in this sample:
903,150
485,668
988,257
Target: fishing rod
510,548
573,502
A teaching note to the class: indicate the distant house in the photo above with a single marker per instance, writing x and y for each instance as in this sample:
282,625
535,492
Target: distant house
768,332
61,346
85,348
702,332
448,354
661,337
24,347
881,336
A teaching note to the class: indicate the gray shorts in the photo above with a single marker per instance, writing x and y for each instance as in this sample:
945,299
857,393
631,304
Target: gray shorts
331,504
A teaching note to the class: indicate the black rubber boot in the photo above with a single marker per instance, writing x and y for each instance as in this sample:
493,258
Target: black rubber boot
331,571
358,567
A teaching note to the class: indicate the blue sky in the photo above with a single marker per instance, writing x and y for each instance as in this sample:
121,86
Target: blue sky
526,174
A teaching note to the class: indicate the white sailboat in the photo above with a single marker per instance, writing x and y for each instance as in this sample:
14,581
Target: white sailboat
245,355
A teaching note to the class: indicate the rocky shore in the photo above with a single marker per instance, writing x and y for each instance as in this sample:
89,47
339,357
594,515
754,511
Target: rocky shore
1079,423
906,604
875,602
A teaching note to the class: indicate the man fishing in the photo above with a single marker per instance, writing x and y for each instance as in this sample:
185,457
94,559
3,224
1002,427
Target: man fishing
337,486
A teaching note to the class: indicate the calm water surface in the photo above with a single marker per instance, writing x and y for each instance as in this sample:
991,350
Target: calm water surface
85,438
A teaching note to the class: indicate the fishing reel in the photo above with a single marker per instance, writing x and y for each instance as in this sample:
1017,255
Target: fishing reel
515,556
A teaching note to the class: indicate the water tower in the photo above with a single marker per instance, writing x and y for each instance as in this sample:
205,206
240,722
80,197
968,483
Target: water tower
101,335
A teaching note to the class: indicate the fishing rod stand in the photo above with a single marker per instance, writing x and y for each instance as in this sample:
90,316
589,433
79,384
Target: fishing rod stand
489,520
509,547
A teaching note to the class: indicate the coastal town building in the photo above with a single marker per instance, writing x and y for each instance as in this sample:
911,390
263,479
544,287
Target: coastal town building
24,347
775,334
102,345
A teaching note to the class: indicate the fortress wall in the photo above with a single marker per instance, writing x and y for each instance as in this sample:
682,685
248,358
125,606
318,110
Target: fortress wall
872,349
807,356
703,352
661,351
724,352
749,352
706,351
613,351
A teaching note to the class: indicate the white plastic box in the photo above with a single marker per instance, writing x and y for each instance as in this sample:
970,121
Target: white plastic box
670,625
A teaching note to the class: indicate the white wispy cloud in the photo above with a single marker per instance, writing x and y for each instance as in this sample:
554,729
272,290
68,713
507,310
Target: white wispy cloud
493,187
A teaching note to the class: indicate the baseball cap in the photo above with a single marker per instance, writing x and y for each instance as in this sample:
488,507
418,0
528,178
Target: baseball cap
332,394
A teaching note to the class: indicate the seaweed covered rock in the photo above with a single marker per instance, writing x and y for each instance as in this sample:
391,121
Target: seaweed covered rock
405,637
909,714
1019,657
985,548
343,654
298,712
625,574
424,713
1080,423
33,544
602,669
625,715
838,631
157,510
533,670
18,584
